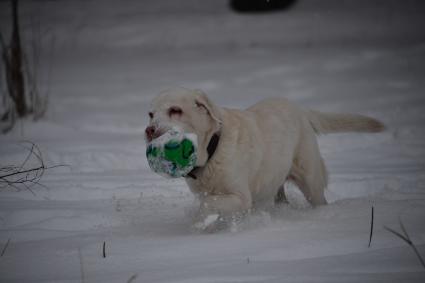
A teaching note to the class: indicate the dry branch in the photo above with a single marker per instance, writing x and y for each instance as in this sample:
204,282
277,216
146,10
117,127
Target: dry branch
406,238
15,176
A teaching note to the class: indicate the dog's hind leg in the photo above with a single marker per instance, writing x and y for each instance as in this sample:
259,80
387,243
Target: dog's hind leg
308,172
280,197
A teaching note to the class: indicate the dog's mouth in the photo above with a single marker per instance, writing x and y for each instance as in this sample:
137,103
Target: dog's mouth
157,134
150,136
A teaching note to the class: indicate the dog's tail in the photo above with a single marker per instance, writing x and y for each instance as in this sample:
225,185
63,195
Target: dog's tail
326,123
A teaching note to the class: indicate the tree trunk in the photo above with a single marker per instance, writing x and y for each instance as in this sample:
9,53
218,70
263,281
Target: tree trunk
17,87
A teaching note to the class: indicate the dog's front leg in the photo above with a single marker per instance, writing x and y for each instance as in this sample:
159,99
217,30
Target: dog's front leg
216,209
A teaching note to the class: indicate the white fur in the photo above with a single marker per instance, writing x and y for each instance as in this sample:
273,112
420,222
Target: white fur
259,149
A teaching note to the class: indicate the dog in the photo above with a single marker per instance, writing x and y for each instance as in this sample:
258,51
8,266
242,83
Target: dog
245,156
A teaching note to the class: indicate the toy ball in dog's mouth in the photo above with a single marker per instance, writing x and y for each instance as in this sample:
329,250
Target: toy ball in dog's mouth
173,154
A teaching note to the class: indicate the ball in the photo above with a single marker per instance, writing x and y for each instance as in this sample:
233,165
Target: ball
173,154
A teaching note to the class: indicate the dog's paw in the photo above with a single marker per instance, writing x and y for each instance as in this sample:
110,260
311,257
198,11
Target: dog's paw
210,224
205,222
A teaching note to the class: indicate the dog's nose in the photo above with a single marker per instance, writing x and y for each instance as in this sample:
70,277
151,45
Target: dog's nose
150,132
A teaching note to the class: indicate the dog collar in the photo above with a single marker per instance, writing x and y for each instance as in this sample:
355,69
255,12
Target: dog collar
211,148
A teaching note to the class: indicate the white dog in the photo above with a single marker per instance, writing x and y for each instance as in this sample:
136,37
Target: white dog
245,156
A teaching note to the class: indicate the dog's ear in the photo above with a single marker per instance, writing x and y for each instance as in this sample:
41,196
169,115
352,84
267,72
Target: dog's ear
202,101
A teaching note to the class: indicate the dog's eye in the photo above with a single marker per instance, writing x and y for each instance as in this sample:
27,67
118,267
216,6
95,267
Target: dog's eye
151,115
175,111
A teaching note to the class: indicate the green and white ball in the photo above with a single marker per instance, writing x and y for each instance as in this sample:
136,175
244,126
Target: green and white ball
173,154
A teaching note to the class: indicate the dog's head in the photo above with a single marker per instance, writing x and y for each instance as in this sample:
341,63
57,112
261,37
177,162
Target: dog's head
187,110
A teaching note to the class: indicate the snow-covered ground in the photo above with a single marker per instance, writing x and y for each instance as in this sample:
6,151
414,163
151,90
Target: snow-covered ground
111,57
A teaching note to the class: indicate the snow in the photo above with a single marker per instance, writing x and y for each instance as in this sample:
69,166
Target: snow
110,58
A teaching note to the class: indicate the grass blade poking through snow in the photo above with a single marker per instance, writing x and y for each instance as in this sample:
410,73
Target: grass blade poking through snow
5,247
407,239
132,278
83,278
371,226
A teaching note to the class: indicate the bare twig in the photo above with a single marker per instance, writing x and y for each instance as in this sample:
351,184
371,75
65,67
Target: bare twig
28,157
371,226
5,247
407,239
15,176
